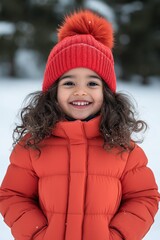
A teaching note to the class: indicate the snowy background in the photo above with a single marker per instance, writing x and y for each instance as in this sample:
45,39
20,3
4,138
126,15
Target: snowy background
13,92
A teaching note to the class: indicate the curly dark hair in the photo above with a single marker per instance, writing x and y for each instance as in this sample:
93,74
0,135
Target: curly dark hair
42,112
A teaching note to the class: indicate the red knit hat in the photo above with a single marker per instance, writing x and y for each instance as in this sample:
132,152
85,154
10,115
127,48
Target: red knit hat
84,40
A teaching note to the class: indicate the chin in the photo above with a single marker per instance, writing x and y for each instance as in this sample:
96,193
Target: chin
80,117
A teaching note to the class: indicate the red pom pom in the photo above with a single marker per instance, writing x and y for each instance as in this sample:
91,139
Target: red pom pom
87,22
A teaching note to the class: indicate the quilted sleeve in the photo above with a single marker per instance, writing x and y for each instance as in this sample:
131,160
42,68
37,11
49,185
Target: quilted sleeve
19,198
140,199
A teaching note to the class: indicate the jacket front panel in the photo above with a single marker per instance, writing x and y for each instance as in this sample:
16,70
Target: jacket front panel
79,185
77,190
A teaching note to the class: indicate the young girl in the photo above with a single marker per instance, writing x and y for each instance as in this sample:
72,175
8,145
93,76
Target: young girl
75,172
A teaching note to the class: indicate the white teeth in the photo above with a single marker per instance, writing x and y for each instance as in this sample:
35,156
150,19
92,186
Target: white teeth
80,103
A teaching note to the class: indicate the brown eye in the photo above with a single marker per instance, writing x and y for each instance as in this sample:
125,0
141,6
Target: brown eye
69,83
92,84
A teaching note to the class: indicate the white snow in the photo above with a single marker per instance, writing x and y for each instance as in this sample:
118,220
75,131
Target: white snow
7,28
127,9
132,7
13,92
103,9
28,63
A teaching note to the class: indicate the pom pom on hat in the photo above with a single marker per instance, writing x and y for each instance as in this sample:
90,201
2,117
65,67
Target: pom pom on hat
84,40
86,22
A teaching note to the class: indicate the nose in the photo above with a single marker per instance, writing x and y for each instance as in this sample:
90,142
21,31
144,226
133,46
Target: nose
80,92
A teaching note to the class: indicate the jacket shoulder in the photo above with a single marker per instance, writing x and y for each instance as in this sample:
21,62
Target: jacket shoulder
20,155
136,158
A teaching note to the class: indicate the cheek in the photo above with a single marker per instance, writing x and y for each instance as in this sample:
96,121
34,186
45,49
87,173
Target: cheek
60,96
100,103
99,98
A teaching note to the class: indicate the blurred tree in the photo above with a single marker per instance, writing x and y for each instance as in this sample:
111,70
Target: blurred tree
34,22
138,40
10,12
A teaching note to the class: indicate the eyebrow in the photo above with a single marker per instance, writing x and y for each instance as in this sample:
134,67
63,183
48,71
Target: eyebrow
88,76
66,76
94,76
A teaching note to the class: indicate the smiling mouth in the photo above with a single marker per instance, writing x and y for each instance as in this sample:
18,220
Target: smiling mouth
80,103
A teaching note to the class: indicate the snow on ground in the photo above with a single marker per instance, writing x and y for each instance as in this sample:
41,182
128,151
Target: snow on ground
7,28
13,92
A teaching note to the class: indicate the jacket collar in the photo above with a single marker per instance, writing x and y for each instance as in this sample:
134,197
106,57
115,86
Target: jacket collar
77,130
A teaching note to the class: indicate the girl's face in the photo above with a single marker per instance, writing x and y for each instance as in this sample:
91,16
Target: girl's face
80,93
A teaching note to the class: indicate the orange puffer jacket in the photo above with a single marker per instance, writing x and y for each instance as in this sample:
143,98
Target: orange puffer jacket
76,190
